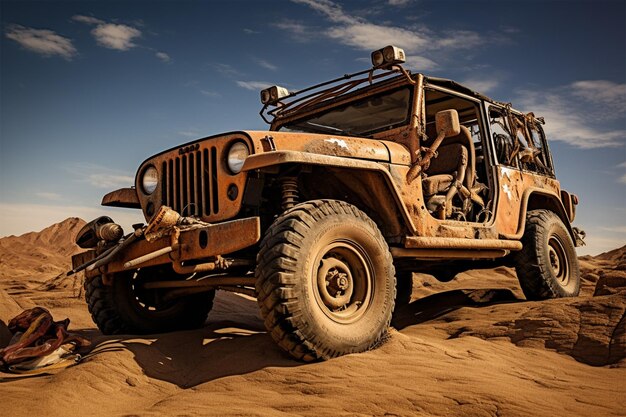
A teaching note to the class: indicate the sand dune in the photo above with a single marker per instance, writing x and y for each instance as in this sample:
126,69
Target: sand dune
471,347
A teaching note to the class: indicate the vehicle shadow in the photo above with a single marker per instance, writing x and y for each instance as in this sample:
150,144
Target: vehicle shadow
224,347
235,342
439,304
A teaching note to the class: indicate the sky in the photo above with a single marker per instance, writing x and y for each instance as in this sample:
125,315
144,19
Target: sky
89,89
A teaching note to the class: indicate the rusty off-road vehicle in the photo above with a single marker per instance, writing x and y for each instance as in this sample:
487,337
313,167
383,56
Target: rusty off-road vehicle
359,182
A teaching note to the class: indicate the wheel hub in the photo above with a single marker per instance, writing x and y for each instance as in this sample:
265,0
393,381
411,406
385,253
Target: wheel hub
334,280
554,261
558,260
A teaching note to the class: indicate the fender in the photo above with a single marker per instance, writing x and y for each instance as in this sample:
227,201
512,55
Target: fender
124,197
537,198
272,159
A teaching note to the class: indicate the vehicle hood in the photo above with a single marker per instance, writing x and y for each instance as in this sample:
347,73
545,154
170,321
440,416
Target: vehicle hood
323,144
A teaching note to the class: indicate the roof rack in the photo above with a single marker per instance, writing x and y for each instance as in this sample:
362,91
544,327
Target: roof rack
317,93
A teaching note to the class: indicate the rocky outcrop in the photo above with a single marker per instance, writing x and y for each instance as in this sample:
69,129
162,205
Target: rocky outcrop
590,329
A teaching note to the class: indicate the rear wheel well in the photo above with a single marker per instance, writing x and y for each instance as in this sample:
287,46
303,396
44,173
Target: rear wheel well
539,201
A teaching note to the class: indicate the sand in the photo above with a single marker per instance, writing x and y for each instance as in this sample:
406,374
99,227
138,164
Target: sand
470,347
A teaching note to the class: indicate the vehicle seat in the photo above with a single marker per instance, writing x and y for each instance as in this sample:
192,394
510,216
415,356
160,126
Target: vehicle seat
451,171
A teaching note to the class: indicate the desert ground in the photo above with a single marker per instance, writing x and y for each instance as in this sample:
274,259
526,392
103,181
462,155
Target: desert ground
470,347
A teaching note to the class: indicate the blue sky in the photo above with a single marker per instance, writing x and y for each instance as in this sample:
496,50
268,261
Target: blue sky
90,89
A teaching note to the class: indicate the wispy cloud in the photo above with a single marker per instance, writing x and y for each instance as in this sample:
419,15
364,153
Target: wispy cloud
254,85
90,20
42,41
100,177
509,29
114,36
459,39
299,32
49,196
163,56
420,62
481,85
602,92
332,10
398,2
570,119
369,36
210,93
266,64
359,33
250,31
622,179
117,36
226,70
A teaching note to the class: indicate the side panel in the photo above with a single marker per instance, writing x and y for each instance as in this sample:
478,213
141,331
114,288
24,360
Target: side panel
516,190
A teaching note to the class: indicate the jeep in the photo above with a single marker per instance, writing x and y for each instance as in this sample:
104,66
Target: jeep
359,182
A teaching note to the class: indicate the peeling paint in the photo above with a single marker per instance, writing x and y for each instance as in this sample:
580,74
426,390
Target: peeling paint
507,191
339,142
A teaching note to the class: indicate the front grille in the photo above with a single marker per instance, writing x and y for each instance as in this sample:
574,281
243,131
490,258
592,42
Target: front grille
189,183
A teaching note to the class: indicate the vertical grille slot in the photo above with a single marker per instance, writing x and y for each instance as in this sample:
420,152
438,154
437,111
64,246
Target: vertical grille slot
198,184
214,191
193,210
176,202
184,188
206,182
170,183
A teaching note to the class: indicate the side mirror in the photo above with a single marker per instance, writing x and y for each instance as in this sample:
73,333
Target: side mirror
447,123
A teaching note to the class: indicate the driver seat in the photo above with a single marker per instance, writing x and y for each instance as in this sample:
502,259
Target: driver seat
452,171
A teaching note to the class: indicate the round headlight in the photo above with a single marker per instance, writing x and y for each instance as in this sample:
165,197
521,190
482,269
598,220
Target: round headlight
149,180
237,155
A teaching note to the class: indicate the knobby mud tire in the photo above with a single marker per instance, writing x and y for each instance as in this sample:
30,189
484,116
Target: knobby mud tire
547,266
293,254
115,309
404,288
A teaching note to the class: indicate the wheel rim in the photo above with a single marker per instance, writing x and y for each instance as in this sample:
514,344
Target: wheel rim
147,301
558,260
344,279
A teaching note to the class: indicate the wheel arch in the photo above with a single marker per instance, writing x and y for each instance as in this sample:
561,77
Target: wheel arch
366,184
540,199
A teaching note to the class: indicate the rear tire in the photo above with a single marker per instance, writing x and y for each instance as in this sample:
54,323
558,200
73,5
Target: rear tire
404,288
547,266
325,281
120,308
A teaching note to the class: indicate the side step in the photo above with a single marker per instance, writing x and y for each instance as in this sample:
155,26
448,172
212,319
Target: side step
455,248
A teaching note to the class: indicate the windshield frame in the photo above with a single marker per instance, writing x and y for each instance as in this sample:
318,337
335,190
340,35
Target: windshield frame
353,129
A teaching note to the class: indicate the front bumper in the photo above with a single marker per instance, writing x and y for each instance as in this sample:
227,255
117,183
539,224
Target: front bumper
194,244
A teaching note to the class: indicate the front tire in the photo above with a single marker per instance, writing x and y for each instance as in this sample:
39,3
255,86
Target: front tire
325,281
547,266
122,308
